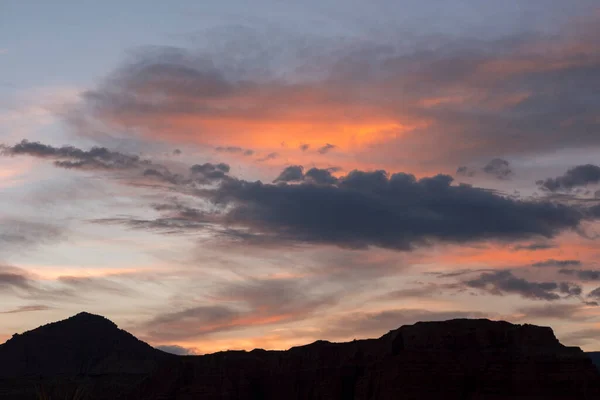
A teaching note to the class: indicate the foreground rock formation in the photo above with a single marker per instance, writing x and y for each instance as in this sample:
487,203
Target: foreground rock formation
457,359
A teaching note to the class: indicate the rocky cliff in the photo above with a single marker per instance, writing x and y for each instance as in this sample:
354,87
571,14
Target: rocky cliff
457,359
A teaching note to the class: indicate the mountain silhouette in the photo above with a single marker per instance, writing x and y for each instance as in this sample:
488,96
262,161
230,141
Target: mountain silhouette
85,344
88,357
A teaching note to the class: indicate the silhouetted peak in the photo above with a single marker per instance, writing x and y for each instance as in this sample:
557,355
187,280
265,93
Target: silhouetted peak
84,343
86,318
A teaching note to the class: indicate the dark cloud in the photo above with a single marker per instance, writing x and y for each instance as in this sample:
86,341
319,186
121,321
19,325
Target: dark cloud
178,350
270,156
424,290
320,176
579,176
293,173
177,152
595,294
505,282
304,147
14,278
98,158
234,150
460,272
373,209
23,309
209,173
582,274
358,210
534,246
174,224
163,175
557,263
62,289
499,168
465,171
570,289
326,149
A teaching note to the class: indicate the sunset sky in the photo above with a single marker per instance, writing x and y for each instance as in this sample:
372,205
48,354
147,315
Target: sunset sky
227,174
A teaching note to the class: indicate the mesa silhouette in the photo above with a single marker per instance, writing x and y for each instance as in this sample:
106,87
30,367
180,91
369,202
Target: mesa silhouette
88,357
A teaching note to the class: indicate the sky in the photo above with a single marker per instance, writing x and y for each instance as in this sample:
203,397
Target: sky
213,176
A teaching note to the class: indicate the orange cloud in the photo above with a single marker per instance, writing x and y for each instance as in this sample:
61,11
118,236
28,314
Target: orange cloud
423,112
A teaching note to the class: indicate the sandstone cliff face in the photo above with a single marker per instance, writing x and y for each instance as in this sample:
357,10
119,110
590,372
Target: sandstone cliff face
458,359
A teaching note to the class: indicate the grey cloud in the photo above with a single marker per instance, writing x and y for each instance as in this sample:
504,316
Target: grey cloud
503,282
239,305
73,158
595,294
107,160
499,168
84,285
293,173
191,322
326,149
177,350
19,234
177,152
358,210
465,171
208,172
304,147
320,176
373,209
163,175
174,224
63,289
460,272
534,246
557,263
23,309
570,289
519,97
102,159
270,156
579,176
234,150
14,278
582,274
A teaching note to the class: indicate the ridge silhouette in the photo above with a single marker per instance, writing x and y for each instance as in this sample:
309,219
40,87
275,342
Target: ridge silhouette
455,359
